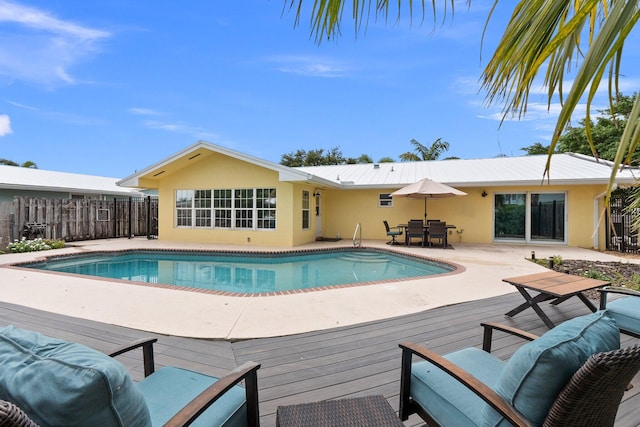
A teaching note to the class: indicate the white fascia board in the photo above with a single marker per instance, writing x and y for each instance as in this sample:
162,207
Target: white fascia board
68,189
292,175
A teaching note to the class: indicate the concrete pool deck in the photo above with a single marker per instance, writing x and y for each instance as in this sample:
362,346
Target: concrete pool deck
195,314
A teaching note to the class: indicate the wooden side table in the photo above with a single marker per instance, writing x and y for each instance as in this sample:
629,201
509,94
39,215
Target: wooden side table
552,285
368,411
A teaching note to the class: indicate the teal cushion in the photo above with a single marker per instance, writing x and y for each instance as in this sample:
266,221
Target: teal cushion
58,383
448,401
626,312
537,371
169,389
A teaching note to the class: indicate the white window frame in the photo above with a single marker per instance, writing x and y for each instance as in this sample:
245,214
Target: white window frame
527,224
226,208
306,209
385,200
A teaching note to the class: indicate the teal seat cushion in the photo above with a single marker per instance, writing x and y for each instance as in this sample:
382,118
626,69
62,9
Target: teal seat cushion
626,312
448,401
58,383
537,371
169,389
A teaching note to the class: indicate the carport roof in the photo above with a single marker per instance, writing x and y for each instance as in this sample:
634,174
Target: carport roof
19,178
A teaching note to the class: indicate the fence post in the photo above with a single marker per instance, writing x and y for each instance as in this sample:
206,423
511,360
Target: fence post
12,223
115,217
130,216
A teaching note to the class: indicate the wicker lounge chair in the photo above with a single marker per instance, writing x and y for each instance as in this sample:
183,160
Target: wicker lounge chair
625,310
12,416
392,232
60,383
415,228
571,376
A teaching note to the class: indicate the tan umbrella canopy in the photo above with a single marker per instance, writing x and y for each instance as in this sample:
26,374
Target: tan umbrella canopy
427,189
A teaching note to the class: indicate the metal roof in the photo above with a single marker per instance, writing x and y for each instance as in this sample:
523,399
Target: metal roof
15,177
566,169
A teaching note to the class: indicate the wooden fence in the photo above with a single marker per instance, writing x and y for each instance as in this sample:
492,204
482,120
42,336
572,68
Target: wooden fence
78,219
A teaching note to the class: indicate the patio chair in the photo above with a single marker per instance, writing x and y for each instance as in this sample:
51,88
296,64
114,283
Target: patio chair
393,232
573,375
67,384
626,310
415,228
437,230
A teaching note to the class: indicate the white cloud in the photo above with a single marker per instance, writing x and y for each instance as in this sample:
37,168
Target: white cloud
40,47
39,20
309,65
194,131
143,111
60,116
5,125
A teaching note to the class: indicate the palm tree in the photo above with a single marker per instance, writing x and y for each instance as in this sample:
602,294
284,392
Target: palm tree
409,157
432,152
544,39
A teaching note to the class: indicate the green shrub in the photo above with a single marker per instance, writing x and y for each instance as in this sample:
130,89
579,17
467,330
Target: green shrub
25,245
634,282
545,262
595,274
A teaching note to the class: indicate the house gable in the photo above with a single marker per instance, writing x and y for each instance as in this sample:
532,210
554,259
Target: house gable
235,176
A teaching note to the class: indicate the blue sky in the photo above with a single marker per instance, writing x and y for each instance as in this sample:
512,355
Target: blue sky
110,87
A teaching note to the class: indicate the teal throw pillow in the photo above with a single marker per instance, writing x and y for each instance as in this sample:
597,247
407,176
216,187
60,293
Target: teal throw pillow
58,383
537,371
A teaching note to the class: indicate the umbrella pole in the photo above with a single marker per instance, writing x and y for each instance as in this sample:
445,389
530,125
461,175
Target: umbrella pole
425,210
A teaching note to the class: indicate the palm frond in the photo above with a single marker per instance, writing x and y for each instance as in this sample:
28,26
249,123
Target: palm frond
327,15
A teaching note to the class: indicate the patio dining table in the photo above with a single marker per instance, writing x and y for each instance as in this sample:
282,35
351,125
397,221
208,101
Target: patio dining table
425,228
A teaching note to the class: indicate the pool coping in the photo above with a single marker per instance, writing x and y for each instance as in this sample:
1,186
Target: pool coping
456,268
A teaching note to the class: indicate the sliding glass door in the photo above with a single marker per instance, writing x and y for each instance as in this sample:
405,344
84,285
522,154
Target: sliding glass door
538,217
547,216
509,216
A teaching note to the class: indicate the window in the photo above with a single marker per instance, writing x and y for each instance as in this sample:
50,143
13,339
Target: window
184,205
245,208
202,208
530,217
305,210
243,203
222,204
385,200
266,207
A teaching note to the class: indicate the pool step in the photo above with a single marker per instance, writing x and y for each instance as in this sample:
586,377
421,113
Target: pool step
365,257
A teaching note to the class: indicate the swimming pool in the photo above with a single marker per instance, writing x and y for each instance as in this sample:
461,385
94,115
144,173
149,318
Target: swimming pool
248,272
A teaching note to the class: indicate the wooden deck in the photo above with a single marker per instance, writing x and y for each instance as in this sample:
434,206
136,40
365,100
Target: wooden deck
349,361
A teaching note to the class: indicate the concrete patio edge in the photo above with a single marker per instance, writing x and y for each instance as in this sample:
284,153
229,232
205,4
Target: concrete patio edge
192,314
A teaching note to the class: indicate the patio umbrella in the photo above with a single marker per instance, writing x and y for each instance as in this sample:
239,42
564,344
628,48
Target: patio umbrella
427,189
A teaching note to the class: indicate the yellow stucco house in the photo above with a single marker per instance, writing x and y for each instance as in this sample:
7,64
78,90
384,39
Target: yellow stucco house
208,193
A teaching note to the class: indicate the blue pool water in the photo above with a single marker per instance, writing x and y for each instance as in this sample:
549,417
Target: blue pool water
247,272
